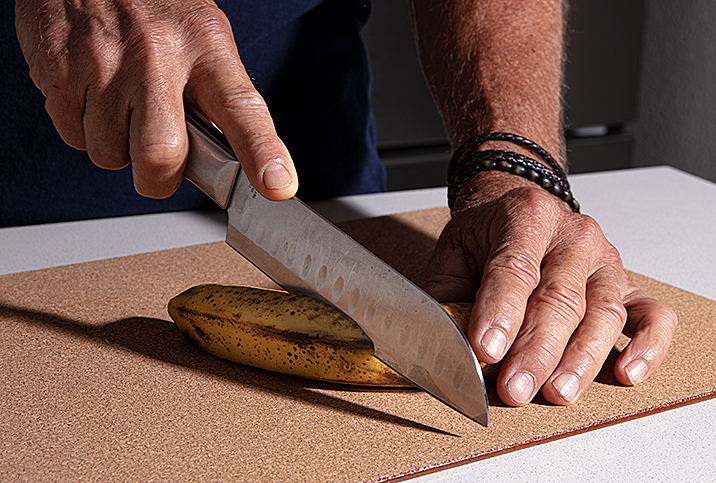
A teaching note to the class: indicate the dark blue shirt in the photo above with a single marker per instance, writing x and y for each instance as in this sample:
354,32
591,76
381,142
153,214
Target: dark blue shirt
305,57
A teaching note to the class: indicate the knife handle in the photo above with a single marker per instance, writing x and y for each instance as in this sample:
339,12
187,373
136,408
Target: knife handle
211,164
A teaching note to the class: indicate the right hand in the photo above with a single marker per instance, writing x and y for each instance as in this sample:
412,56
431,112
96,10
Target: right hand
115,76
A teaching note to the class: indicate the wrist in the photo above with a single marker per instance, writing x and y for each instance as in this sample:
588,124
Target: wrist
486,187
470,159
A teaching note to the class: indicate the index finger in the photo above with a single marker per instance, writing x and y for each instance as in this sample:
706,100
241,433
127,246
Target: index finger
512,272
226,94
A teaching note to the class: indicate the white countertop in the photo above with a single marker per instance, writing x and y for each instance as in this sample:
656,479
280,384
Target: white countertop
662,220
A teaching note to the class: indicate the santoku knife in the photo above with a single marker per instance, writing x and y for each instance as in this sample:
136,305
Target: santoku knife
304,253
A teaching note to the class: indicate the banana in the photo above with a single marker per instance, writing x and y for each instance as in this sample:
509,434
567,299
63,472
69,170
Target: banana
288,333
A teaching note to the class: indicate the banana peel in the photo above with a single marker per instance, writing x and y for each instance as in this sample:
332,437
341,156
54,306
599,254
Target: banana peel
289,334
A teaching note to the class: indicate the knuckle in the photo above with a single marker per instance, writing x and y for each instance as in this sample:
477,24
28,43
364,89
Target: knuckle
586,232
262,145
611,311
53,72
151,49
213,24
589,227
159,156
257,137
612,256
663,312
209,31
518,267
246,101
538,350
588,235
655,352
534,198
663,323
591,353
564,298
538,202
544,360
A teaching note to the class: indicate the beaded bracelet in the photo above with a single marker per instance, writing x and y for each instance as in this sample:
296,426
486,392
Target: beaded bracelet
463,167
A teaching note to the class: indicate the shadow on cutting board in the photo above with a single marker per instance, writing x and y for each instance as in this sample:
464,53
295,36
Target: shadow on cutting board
160,340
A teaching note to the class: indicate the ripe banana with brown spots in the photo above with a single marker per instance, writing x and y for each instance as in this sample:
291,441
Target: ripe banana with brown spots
288,333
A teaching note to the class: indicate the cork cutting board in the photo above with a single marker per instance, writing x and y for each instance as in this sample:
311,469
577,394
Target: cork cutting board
98,384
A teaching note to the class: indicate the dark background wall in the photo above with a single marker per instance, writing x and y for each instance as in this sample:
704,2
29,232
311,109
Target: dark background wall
620,85
676,113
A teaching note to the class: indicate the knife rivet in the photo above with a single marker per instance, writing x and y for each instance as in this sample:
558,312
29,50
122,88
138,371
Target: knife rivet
322,276
337,289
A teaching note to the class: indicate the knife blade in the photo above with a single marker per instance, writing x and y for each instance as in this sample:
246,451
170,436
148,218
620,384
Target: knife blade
305,253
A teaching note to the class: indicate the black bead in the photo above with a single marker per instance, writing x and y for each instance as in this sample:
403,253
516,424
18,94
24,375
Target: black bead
518,169
503,165
546,183
487,165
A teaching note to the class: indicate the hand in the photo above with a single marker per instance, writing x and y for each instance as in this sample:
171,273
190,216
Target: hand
116,74
551,294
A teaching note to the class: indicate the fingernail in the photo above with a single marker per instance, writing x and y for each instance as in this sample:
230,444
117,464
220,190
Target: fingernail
277,177
567,385
494,343
521,386
636,371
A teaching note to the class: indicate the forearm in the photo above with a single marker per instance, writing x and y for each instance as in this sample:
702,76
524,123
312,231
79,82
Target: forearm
495,65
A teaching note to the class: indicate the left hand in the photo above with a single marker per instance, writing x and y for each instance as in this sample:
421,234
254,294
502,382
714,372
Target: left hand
551,294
